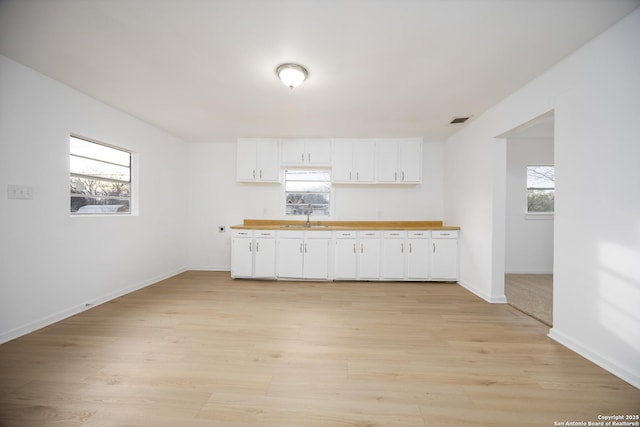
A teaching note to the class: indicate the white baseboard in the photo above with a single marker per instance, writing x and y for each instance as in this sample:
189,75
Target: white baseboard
594,356
528,272
71,311
209,268
494,299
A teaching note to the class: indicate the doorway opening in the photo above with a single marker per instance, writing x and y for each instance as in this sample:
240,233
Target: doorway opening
529,234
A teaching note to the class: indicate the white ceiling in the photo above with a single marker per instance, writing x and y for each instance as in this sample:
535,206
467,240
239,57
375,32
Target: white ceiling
204,70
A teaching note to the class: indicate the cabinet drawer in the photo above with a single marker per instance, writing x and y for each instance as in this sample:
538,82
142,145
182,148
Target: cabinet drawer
345,234
242,233
370,234
444,234
265,233
419,234
394,234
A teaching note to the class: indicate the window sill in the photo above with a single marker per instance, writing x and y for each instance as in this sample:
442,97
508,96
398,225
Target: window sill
547,216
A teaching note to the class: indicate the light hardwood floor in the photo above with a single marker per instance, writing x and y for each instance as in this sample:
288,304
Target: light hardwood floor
200,349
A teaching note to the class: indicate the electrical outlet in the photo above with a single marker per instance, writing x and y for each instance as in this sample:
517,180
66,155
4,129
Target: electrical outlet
222,229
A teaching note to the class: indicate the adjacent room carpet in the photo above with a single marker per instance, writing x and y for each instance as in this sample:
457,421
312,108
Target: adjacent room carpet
532,294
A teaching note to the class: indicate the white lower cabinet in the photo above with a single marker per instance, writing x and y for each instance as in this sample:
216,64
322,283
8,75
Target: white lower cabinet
418,255
264,255
345,255
356,255
369,255
393,260
444,255
303,254
253,254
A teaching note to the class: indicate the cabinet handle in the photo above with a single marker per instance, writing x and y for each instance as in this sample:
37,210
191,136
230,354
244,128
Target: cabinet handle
361,248
357,176
305,248
309,157
395,176
260,173
410,248
434,248
349,175
402,247
354,248
254,174
257,246
403,175
300,247
249,246
302,157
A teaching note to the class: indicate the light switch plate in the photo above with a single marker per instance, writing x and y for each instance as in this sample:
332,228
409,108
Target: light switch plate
19,192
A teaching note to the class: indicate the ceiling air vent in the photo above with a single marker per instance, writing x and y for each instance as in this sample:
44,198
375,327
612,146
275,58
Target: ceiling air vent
458,120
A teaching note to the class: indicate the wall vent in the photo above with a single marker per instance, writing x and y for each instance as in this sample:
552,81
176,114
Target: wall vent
458,120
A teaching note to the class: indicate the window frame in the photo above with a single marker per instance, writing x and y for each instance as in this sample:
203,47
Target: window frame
130,182
538,214
313,214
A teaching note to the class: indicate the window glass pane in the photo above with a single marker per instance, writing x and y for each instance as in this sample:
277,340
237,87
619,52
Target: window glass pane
82,166
81,147
540,188
304,188
99,179
93,196
312,186
540,177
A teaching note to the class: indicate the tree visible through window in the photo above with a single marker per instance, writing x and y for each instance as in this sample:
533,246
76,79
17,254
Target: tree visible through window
307,187
540,188
100,178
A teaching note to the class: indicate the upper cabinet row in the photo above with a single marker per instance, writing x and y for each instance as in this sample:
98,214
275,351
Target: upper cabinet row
352,161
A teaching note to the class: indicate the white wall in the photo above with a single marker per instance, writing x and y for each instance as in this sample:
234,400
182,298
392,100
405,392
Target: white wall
529,238
53,264
217,199
595,96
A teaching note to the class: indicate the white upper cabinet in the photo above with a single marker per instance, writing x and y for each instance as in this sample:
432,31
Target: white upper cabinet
303,152
399,161
353,161
257,160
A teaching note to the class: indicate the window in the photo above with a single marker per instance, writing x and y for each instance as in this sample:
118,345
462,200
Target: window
304,187
540,189
100,178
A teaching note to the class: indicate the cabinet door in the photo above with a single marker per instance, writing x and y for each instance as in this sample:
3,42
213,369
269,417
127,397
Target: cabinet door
268,165
246,154
292,152
364,161
369,259
318,153
444,259
265,258
290,258
410,166
387,161
345,259
316,258
241,257
418,259
341,161
393,259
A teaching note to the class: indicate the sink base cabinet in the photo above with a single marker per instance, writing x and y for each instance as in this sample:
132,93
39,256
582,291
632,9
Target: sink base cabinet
403,255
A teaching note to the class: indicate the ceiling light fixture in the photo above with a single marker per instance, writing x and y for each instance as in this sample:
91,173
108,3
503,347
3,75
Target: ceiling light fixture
292,75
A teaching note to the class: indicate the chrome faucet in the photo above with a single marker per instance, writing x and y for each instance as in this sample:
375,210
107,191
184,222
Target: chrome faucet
309,210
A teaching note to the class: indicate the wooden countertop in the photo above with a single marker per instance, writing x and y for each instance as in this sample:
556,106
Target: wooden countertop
274,224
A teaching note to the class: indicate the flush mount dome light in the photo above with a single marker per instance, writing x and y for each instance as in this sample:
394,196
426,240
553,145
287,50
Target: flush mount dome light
292,75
